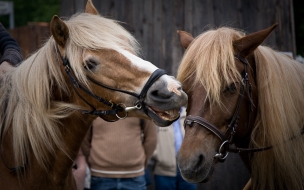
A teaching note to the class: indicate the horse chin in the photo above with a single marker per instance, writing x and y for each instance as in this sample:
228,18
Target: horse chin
163,119
208,177
201,175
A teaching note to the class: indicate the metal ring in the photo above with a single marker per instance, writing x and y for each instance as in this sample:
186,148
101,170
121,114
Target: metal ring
138,106
219,155
124,106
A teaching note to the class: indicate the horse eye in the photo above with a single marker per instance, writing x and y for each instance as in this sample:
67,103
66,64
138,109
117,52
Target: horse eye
90,65
231,88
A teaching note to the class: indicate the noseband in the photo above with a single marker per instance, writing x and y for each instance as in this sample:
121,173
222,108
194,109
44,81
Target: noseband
227,137
115,108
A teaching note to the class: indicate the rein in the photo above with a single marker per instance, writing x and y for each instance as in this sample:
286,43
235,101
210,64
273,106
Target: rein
227,137
115,108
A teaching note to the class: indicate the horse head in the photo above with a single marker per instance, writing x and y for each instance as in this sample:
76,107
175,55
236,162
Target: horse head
89,67
120,82
218,75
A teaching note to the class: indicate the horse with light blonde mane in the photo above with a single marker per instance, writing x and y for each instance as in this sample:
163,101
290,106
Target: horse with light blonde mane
89,67
245,94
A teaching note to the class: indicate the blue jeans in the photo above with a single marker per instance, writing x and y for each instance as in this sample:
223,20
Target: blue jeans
147,177
103,183
172,183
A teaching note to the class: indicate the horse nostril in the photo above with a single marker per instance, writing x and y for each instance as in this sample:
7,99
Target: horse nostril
201,159
163,94
154,93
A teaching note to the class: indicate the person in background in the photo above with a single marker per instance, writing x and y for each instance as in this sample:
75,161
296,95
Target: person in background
9,49
118,153
166,172
80,172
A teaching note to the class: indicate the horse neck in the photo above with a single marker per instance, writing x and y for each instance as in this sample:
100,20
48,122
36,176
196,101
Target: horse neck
74,131
59,169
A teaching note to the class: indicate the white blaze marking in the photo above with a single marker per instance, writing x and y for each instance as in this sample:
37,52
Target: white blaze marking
138,62
172,83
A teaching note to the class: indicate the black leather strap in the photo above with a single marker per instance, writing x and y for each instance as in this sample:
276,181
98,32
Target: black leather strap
155,75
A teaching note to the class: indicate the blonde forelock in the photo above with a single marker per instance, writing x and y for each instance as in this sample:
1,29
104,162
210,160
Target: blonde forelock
211,62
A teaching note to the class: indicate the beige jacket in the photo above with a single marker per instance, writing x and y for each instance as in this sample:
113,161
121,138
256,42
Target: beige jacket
164,155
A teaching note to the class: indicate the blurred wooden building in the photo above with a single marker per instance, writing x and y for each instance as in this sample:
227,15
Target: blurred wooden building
154,22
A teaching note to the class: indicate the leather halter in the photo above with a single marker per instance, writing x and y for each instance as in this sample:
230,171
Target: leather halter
227,137
115,108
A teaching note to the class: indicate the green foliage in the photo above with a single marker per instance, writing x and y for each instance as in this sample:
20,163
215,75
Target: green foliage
32,11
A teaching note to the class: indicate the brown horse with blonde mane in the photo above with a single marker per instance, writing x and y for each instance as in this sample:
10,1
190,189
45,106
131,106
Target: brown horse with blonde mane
245,94
89,67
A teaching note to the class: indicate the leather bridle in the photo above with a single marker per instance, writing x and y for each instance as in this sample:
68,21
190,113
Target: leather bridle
227,137
115,108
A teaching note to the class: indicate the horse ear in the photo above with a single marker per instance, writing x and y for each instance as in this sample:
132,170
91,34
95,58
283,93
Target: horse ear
59,30
90,8
246,45
185,38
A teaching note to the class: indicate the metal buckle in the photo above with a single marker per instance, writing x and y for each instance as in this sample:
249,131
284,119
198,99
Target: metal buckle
112,104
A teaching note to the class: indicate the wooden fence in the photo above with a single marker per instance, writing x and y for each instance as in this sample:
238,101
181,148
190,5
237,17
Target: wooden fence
31,37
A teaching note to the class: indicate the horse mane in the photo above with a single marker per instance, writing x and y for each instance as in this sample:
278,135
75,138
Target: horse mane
279,121
29,111
280,117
